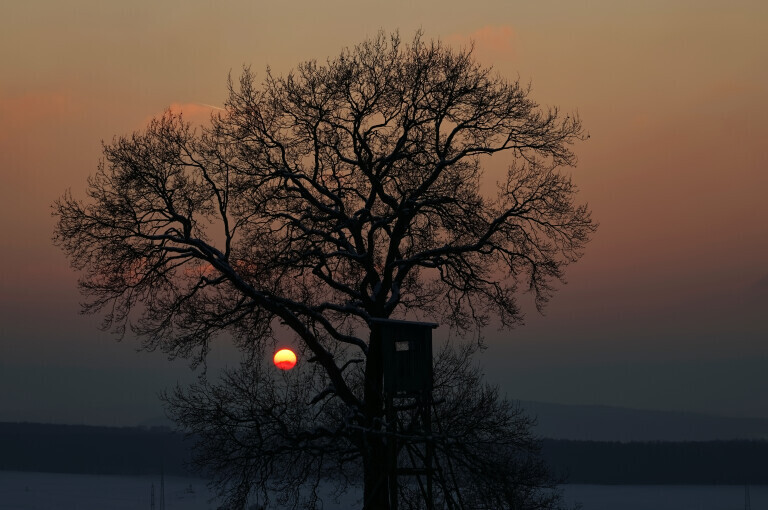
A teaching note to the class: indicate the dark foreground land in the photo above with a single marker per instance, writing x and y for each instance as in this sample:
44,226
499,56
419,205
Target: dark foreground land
145,451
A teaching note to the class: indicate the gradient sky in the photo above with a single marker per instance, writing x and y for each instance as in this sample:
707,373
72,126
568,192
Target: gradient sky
668,309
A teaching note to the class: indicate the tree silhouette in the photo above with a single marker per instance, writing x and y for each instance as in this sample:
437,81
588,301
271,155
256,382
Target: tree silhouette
316,203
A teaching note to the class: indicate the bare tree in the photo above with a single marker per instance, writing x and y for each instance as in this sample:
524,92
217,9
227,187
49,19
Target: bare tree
254,430
341,193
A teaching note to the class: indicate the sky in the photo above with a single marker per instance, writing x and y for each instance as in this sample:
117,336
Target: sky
668,308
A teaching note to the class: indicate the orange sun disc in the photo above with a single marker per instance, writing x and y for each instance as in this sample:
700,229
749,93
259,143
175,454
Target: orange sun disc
285,359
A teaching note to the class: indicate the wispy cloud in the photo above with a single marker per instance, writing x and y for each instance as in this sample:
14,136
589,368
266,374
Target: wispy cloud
19,112
493,41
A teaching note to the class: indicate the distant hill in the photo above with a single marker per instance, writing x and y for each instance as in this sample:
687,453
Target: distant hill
607,423
603,423
93,450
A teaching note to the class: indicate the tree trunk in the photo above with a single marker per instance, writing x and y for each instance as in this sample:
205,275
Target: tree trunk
375,465
375,479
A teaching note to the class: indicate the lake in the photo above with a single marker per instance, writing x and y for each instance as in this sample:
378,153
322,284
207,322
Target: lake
45,491
665,497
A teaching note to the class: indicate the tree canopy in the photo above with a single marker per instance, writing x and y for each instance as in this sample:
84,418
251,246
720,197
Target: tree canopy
317,202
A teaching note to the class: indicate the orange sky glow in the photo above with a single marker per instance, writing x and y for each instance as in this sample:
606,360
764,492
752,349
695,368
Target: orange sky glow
674,96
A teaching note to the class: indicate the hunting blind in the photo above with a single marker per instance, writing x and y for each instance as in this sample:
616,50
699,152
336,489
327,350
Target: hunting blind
407,355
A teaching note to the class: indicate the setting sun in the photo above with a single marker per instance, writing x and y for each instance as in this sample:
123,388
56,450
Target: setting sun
285,359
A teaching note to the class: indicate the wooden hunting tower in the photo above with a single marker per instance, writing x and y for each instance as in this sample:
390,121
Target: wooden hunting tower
407,366
406,356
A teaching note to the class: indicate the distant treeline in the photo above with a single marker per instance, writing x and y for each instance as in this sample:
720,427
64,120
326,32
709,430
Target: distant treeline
680,463
145,451
92,450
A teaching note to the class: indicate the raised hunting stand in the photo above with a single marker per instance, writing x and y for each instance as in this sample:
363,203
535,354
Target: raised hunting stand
407,363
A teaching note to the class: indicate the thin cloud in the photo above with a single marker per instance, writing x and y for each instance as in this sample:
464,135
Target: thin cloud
209,106
495,41
19,112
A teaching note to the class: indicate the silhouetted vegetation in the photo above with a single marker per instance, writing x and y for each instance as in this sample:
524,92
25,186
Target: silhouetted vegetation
313,205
